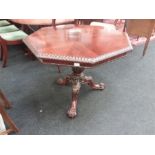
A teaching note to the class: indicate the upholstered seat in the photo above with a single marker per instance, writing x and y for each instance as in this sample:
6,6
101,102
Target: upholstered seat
4,23
6,29
11,36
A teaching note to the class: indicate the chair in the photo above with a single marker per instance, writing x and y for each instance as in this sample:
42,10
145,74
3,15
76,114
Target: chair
9,35
4,23
29,25
5,118
140,28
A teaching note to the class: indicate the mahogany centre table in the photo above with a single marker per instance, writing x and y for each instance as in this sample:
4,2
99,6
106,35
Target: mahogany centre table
79,47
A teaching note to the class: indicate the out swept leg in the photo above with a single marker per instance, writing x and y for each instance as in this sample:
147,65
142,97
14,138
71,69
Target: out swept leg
8,121
5,55
76,79
64,81
6,103
72,112
59,71
90,82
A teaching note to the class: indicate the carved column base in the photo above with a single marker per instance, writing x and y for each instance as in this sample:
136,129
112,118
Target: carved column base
76,79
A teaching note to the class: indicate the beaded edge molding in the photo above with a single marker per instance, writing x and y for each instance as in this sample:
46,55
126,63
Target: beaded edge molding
80,59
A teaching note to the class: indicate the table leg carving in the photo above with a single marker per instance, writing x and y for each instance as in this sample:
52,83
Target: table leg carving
72,112
90,82
76,79
64,81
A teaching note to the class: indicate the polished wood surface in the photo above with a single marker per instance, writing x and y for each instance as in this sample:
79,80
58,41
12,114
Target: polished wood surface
87,45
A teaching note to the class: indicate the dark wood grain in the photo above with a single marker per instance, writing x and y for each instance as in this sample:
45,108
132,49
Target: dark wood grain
83,44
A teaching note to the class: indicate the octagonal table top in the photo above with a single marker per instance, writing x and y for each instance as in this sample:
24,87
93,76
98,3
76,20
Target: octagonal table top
82,44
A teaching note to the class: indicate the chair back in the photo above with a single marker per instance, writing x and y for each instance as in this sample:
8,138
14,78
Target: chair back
140,28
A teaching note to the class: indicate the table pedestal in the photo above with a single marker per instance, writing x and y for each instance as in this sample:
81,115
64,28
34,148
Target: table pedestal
76,79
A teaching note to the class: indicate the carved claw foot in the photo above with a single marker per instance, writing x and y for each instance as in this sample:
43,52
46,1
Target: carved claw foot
62,81
76,79
99,86
89,80
72,113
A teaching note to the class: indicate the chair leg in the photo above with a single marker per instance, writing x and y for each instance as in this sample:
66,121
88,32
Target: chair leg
5,101
8,120
116,22
137,38
29,54
5,55
59,71
1,53
146,45
5,104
